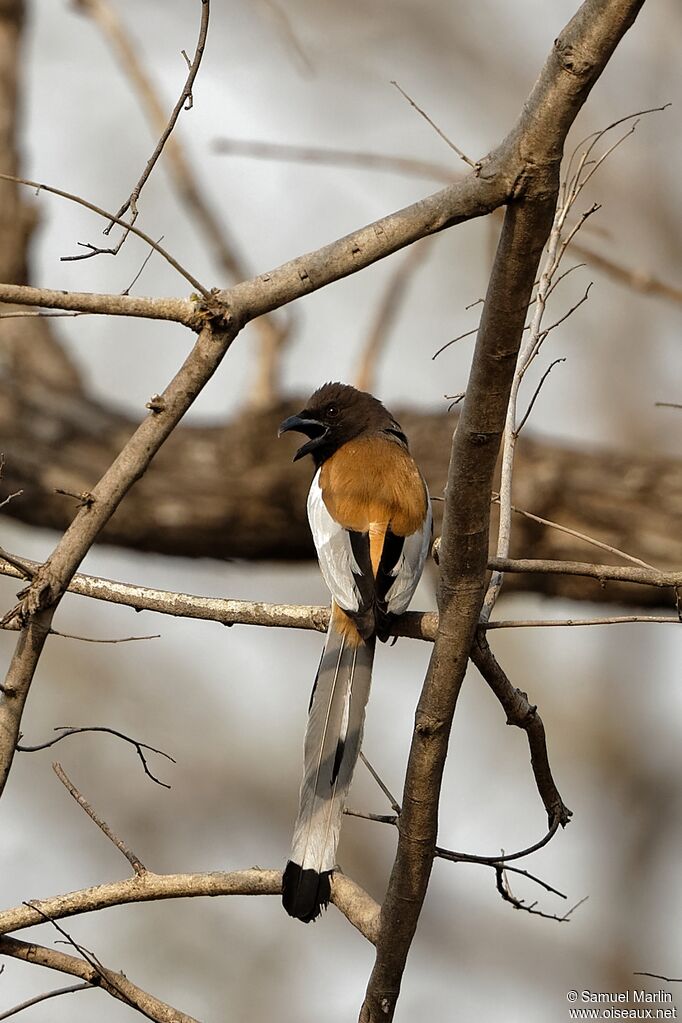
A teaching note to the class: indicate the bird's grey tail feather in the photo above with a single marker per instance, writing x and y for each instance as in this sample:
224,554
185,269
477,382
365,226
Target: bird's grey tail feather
332,747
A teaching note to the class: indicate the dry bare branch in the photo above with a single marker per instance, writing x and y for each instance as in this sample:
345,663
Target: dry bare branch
134,861
52,579
358,907
591,540
203,216
524,715
658,976
184,102
67,730
560,91
502,858
115,984
44,997
622,573
80,201
435,127
555,623
177,309
507,895
413,625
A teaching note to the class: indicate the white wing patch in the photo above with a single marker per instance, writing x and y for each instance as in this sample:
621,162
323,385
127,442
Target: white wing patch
409,567
334,552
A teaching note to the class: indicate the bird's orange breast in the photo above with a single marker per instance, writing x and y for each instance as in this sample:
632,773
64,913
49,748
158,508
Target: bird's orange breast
372,484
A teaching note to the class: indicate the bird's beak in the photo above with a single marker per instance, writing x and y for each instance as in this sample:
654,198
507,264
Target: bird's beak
312,428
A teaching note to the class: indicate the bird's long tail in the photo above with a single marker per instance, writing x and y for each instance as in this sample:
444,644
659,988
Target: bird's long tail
332,747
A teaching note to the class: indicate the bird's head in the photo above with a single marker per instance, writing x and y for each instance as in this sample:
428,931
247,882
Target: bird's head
335,414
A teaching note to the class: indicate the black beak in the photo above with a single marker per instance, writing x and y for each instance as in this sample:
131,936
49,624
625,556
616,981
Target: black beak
310,427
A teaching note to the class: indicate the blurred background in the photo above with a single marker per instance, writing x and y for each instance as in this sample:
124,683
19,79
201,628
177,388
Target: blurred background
230,705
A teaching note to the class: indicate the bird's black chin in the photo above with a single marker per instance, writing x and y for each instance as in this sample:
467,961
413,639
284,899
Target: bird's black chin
316,431
312,445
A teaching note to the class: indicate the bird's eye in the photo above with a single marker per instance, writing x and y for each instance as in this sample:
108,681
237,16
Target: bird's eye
332,412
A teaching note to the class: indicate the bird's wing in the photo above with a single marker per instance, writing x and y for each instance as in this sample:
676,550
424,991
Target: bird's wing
409,566
334,551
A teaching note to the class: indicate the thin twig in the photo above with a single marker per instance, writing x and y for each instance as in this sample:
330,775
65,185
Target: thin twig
67,730
185,97
43,998
603,573
22,313
457,857
95,639
657,976
395,805
460,337
537,392
523,714
505,892
10,497
435,127
114,984
40,187
273,334
134,861
139,273
89,957
10,623
381,818
578,535
554,623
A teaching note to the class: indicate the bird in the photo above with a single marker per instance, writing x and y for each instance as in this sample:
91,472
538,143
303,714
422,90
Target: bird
371,521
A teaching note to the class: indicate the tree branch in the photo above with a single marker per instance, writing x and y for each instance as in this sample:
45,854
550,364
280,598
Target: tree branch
176,309
203,217
621,573
355,904
579,55
52,579
524,715
44,997
80,201
115,984
134,861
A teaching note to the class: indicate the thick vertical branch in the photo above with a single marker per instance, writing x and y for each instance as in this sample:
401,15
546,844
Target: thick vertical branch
576,61
463,561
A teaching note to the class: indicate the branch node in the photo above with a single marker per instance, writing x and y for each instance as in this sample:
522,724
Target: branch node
84,497
156,404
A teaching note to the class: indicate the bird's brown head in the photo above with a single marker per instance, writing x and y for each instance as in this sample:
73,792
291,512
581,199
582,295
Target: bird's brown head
335,414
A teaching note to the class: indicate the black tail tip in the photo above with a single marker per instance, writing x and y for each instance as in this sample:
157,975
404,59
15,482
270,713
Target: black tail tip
305,893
